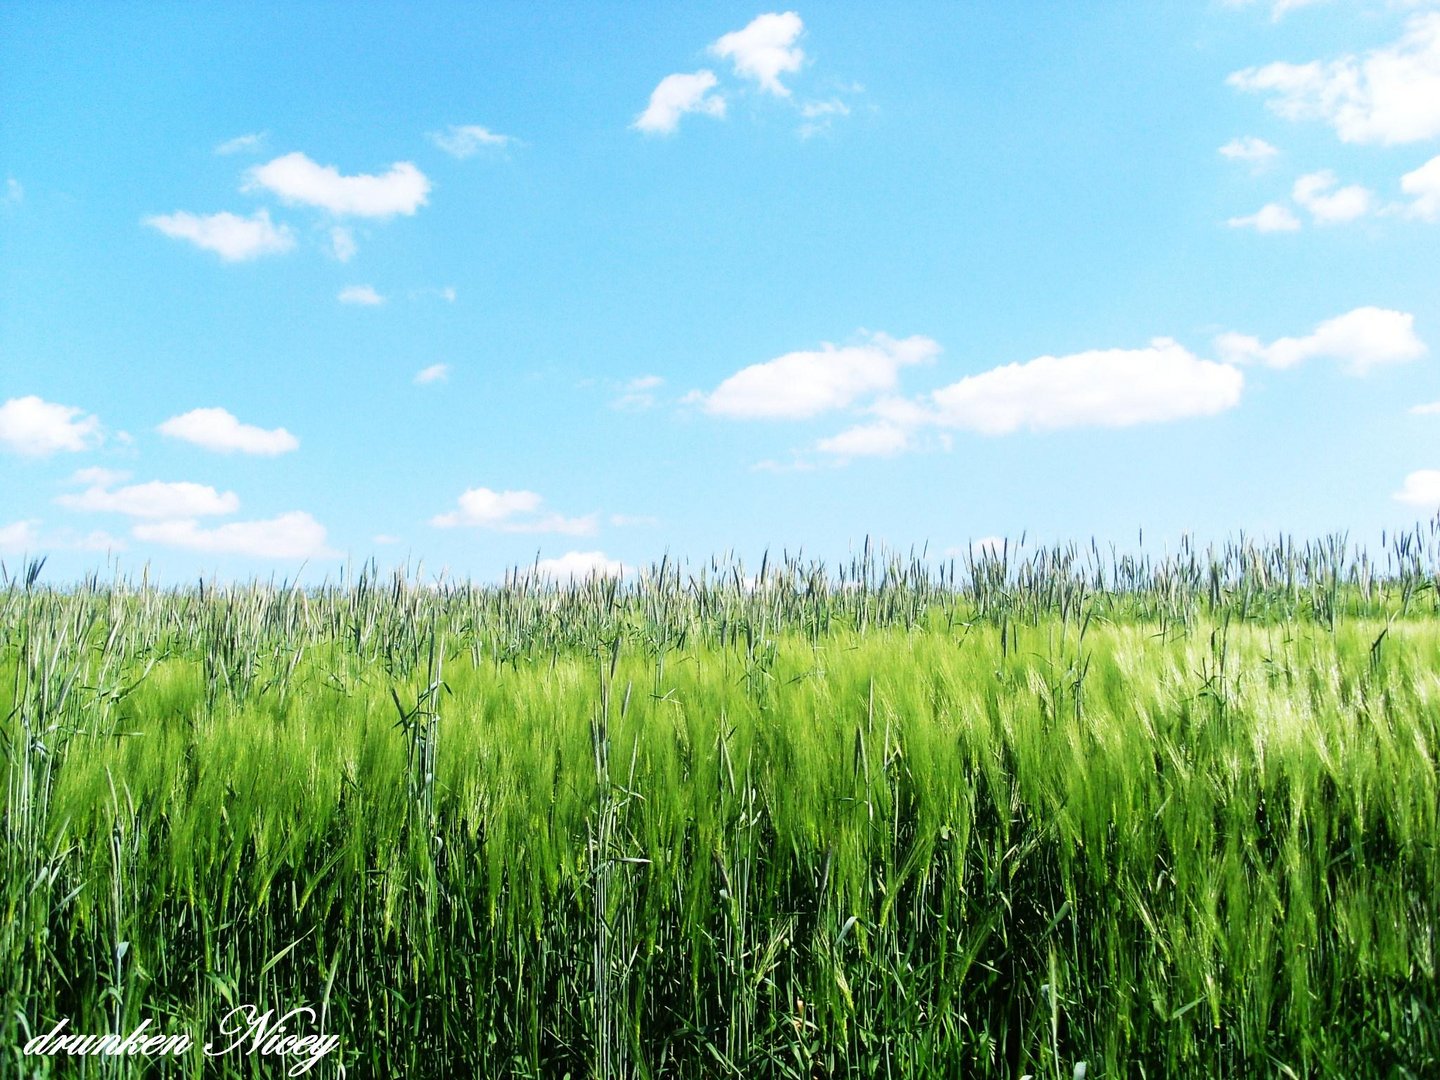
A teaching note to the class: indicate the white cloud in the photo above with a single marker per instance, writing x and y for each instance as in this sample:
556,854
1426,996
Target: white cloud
677,95
1270,218
156,499
295,535
233,238
384,539
1423,185
1431,408
510,511
638,393
38,428
98,476
764,50
1257,152
1422,489
217,429
297,179
1390,95
342,243
580,566
467,140
804,384
432,374
882,439
242,143
14,192
24,536
1328,204
1279,8
819,115
19,537
1098,388
448,294
364,295
1361,339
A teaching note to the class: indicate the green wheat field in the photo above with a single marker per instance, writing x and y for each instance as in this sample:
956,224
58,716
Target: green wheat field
1059,813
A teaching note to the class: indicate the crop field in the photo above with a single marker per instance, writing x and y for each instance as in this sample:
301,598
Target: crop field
1059,813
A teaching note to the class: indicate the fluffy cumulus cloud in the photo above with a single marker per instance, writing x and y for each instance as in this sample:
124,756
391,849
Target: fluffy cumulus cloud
360,295
764,50
432,374
37,428
674,97
1098,388
296,179
219,430
799,385
1329,204
1270,218
1359,340
580,566
1257,152
1421,488
156,499
1389,95
294,535
232,237
511,511
1423,186
467,140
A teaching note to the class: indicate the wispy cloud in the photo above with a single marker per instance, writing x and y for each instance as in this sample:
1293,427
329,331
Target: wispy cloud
638,393
233,238
342,243
467,140
820,115
432,374
20,536
217,429
242,144
1254,151
363,295
1270,218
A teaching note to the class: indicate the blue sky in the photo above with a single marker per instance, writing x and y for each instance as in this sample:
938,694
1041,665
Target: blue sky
285,285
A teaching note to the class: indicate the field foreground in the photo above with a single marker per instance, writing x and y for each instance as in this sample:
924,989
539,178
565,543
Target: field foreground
1170,819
